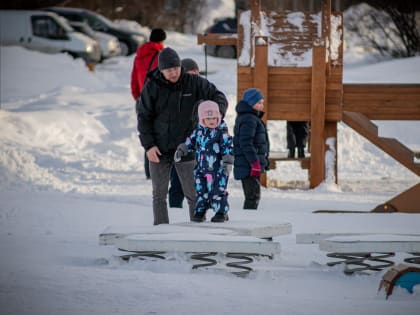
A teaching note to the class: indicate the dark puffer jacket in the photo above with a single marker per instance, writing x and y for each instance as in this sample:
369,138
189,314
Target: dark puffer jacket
165,109
250,141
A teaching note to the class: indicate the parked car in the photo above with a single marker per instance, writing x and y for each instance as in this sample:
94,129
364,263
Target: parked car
226,25
129,40
45,32
110,46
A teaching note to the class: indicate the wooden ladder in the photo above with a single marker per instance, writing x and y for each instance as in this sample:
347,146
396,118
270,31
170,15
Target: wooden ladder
362,125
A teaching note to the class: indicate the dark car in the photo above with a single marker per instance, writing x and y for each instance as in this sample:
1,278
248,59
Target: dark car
229,26
129,40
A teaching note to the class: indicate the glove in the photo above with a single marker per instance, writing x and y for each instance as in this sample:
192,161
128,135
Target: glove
255,169
182,150
227,164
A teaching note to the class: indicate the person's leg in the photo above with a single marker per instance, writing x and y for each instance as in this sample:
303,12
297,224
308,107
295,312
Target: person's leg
159,173
219,195
301,132
291,139
219,199
252,191
185,172
202,198
176,195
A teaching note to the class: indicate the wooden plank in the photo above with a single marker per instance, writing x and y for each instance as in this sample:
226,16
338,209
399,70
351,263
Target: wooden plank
393,147
326,30
282,83
304,162
383,101
181,242
241,228
282,115
298,112
260,78
316,238
372,243
407,201
317,168
244,228
291,98
290,70
217,39
244,70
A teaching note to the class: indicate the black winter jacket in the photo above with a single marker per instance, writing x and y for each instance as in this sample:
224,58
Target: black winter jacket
165,109
250,141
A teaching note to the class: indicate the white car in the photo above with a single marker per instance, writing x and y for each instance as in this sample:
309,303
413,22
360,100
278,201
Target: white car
45,32
110,46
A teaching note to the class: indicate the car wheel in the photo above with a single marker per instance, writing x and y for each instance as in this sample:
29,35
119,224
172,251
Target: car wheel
124,49
226,52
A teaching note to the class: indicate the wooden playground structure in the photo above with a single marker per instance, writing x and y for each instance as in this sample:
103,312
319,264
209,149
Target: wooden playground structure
315,92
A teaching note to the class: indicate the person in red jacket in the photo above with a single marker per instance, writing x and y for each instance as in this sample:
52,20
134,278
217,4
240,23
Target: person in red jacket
146,60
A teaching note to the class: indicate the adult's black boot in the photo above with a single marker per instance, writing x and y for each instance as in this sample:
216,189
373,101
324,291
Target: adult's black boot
251,204
301,153
291,154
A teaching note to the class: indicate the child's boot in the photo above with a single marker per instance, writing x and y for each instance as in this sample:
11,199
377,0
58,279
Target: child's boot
220,217
199,216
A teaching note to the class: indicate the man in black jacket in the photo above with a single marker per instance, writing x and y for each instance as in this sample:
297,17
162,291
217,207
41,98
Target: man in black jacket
165,119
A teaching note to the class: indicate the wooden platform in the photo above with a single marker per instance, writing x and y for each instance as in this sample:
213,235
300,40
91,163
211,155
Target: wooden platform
372,243
184,242
230,228
282,156
364,252
239,241
317,238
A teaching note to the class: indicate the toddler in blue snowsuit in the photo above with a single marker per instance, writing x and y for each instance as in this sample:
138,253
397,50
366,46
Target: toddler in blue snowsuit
213,152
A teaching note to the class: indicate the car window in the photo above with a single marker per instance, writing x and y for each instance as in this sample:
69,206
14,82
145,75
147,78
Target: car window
45,26
83,28
98,22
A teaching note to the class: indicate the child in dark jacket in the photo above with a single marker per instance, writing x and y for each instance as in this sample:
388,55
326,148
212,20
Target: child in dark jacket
213,152
251,146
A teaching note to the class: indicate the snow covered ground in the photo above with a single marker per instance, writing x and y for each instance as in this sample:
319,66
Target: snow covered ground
71,165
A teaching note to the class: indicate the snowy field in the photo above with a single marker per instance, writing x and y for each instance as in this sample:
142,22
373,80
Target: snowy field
71,165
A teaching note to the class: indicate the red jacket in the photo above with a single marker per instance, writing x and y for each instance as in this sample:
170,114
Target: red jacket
142,60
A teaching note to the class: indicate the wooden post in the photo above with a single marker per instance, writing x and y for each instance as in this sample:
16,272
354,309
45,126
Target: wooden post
255,11
318,92
255,25
326,30
260,77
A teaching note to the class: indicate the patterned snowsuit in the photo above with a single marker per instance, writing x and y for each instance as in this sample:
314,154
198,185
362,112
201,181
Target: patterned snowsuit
210,146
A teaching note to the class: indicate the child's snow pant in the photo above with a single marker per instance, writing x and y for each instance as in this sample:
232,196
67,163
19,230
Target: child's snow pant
211,191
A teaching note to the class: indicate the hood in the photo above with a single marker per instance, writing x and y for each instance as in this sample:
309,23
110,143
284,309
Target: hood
149,49
242,107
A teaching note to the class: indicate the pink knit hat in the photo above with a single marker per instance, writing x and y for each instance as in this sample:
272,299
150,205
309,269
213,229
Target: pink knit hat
208,109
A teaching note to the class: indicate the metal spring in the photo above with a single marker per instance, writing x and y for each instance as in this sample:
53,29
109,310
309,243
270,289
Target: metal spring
204,257
413,260
359,259
245,259
141,255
